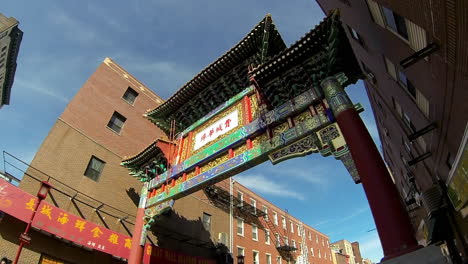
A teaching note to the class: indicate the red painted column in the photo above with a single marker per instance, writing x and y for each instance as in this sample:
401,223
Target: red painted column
390,216
136,252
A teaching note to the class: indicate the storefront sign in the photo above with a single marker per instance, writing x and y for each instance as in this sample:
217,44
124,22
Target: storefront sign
13,201
73,228
20,204
158,255
220,127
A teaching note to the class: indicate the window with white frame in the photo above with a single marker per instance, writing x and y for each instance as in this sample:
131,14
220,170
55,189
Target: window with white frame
286,241
310,235
278,260
275,218
268,258
267,236
292,227
240,196
316,238
256,259
265,210
312,252
319,255
293,243
297,228
254,205
240,226
277,238
328,244
255,232
283,222
240,251
206,221
323,242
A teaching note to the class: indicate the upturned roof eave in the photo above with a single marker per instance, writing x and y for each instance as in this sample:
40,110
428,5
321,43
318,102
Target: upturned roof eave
185,93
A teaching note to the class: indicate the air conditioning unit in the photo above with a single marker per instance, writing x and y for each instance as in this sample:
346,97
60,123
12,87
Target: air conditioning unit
371,77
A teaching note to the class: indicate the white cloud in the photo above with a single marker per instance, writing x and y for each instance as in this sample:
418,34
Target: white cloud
164,77
340,222
76,30
39,87
261,184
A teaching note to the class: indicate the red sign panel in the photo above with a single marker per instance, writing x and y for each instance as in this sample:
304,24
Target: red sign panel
20,204
73,228
159,255
15,201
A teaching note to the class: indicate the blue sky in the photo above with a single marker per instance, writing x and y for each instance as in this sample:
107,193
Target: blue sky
164,44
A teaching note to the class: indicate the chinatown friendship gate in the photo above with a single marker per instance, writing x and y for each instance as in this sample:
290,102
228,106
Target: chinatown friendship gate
263,101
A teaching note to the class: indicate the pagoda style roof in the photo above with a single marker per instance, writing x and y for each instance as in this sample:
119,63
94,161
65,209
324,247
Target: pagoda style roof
323,51
160,149
263,41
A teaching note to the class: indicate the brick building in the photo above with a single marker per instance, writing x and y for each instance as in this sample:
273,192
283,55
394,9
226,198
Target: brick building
356,252
10,40
415,58
260,228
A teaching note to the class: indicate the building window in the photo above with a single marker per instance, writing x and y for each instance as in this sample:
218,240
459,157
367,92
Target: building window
374,9
130,96
116,122
255,257
283,222
240,196
406,83
391,69
240,227
286,241
267,237
395,22
316,238
207,221
355,35
320,255
323,243
293,243
255,232
268,259
297,228
292,227
94,169
254,205
407,121
265,210
275,218
277,237
328,245
278,260
240,251
310,235
312,252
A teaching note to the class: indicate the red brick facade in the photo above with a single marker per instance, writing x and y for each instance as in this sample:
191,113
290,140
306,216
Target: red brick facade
316,242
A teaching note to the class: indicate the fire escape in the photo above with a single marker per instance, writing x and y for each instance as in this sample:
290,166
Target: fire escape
222,199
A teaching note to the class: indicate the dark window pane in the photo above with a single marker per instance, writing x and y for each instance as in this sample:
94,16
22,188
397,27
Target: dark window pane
94,169
130,95
389,18
401,25
116,122
206,221
402,78
411,89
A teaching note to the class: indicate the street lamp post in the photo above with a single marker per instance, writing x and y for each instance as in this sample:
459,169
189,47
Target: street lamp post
24,238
